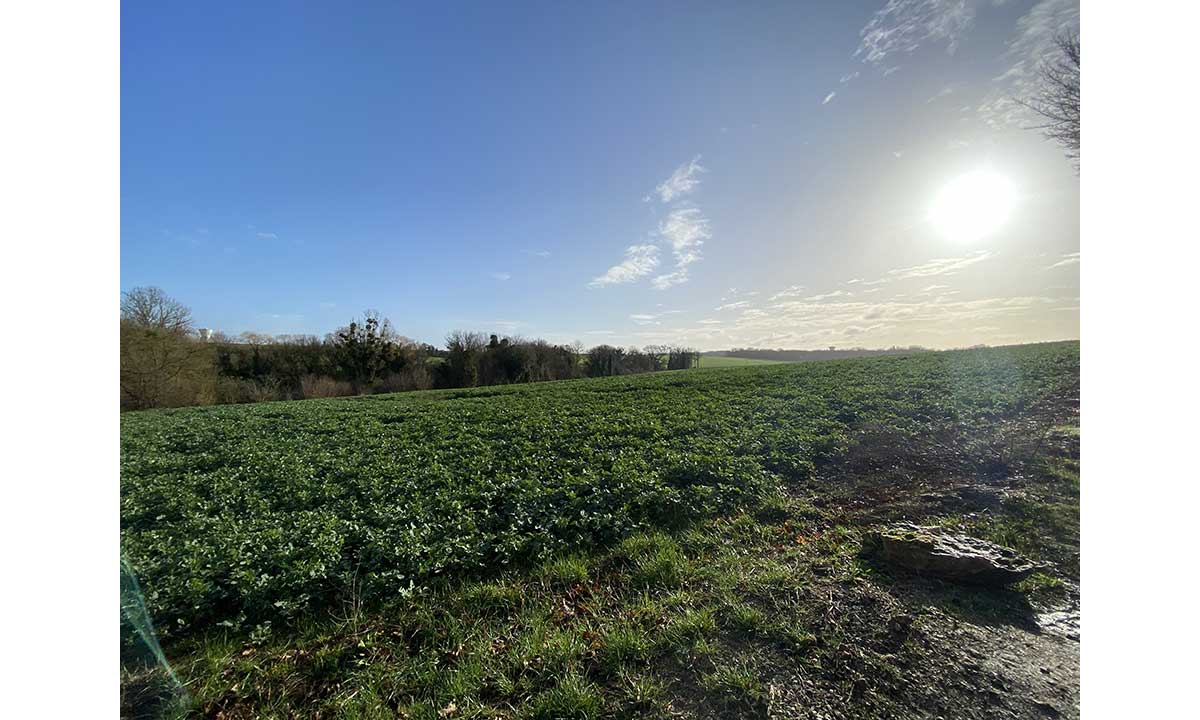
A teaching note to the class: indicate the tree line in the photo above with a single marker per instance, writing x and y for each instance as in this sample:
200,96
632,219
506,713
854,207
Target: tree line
166,362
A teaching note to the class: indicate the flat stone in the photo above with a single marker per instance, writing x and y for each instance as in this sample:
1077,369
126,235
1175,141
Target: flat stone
1064,623
962,558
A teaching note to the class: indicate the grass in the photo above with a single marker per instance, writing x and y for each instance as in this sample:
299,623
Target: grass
679,545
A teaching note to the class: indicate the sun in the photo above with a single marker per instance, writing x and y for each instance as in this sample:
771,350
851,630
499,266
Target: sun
973,206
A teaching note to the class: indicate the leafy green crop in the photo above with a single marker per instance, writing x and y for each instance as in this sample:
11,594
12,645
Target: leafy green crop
239,515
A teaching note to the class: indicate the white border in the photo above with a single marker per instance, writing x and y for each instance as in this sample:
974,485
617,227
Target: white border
59,224
1139,275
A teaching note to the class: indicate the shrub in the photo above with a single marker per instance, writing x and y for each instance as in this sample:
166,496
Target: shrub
323,386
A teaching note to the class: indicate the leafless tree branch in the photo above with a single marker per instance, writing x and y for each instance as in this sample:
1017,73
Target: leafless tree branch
1058,101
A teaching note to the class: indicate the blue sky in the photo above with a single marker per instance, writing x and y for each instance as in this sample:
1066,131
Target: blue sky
717,174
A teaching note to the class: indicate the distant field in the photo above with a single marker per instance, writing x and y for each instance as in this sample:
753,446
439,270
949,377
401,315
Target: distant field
667,544
722,361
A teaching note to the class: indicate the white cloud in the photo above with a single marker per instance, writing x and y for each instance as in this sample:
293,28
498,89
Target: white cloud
791,291
501,275
684,180
826,296
940,266
662,282
640,261
734,305
539,253
1068,259
710,321
948,89
599,332
902,26
685,229
267,236
829,97
734,294
652,318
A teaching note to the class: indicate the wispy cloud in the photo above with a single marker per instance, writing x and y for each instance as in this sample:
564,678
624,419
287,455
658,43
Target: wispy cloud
829,97
902,26
501,275
734,305
685,229
940,266
671,279
652,318
828,295
1068,259
640,261
733,294
946,91
539,253
684,180
805,323
267,236
790,291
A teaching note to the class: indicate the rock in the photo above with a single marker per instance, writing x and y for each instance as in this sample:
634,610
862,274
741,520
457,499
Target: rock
962,558
1064,623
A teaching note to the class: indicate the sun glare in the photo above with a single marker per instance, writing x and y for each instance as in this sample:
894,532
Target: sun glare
973,206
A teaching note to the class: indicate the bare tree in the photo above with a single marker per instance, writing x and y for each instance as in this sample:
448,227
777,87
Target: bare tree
162,364
1058,101
150,307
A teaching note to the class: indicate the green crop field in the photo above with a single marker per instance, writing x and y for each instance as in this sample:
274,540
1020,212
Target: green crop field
722,361
673,544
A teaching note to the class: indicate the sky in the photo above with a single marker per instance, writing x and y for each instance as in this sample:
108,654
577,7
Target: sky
711,174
